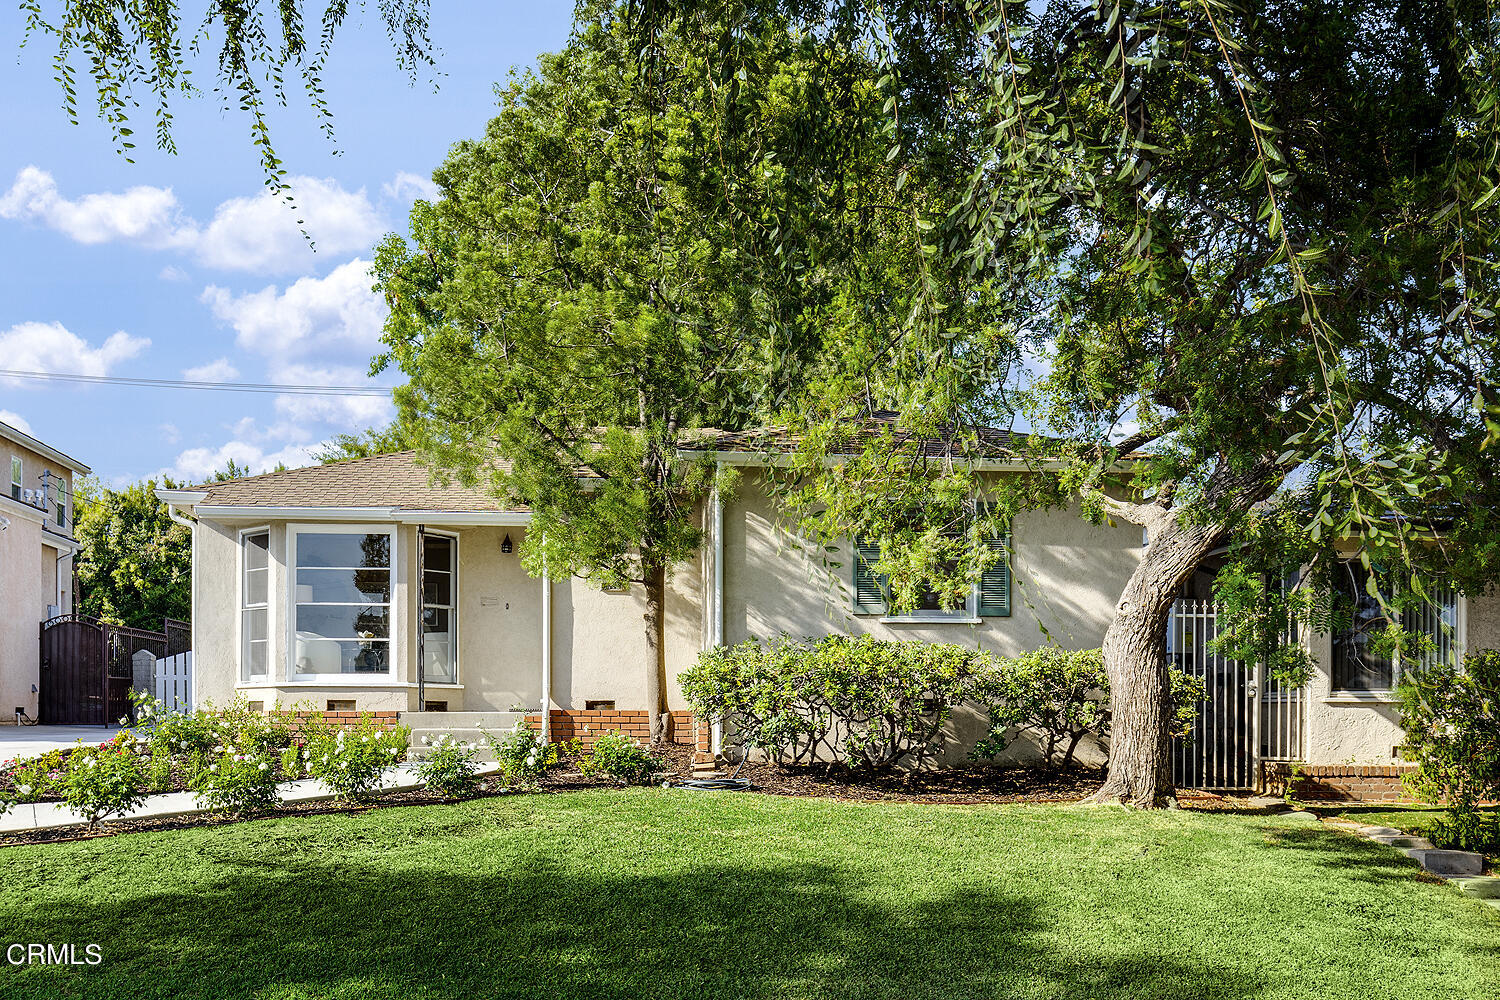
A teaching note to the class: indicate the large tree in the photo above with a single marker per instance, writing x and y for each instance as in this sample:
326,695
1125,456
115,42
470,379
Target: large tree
135,564
617,265
1256,241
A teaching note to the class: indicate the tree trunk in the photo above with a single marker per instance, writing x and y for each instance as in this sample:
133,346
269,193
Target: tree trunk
1140,762
656,658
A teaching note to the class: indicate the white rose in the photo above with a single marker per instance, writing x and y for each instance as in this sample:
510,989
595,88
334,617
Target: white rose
214,768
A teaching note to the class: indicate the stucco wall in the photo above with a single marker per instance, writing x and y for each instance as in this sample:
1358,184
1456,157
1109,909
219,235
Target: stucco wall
1345,729
31,579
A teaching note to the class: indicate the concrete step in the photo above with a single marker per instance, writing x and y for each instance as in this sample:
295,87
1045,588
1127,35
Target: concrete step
493,721
1447,862
1405,843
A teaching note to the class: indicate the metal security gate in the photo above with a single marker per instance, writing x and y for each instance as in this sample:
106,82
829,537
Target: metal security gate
87,669
1245,718
71,690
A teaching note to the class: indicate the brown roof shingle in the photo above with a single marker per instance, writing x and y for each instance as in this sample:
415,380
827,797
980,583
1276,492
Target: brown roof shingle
396,480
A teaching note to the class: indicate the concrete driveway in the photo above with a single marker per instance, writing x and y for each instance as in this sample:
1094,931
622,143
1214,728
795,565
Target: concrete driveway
28,741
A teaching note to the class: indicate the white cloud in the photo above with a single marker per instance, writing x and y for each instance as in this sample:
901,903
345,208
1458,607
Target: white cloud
196,465
215,371
169,433
15,420
334,316
146,215
262,233
172,273
51,347
409,187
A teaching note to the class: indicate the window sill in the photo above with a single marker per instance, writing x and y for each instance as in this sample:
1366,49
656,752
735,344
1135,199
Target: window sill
1361,698
304,682
935,620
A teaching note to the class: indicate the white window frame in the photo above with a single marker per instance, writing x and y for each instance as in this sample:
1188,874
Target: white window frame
966,615
244,677
1338,694
397,635
17,477
452,607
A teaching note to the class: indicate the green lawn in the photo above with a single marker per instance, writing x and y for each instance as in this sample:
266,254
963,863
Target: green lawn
1417,820
654,894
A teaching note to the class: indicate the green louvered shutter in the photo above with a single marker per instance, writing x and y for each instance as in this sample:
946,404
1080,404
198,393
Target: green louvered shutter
994,586
869,586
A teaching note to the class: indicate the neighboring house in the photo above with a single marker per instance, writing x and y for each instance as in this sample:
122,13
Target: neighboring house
305,591
36,558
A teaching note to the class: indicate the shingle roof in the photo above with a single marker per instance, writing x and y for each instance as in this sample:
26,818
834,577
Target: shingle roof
396,480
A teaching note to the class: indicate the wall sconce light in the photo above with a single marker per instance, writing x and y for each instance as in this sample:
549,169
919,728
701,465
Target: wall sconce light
505,545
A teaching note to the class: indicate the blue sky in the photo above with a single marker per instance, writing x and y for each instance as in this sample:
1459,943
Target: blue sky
180,267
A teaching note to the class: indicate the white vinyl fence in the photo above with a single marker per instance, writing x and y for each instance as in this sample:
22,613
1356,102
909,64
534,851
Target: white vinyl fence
174,681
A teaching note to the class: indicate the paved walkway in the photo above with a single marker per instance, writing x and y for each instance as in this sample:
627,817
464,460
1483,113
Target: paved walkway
51,815
29,741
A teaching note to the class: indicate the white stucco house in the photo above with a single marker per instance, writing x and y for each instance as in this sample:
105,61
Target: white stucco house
306,589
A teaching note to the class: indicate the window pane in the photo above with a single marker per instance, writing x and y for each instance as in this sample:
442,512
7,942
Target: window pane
437,588
436,620
343,550
344,621
255,624
315,655
1356,667
255,659
437,552
256,549
343,586
255,586
437,655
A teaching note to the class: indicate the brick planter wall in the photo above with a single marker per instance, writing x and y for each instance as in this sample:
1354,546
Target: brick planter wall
587,726
1346,782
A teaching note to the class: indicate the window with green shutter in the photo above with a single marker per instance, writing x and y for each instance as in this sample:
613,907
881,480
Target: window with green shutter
871,590
869,587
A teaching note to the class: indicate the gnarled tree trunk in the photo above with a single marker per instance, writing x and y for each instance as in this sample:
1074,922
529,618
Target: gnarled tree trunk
1135,645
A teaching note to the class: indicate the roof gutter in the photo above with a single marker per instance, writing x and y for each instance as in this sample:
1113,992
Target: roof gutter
786,459
398,515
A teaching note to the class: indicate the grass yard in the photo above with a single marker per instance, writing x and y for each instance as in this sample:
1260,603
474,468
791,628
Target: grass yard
656,894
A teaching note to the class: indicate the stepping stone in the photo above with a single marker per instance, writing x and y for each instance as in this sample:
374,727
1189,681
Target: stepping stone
1405,843
1301,816
1485,887
1381,831
1447,862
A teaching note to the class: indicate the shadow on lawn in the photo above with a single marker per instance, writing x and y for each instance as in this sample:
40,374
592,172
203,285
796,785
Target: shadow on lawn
304,929
1355,858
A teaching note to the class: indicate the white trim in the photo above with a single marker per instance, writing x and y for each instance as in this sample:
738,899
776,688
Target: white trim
364,679
241,607
716,638
453,624
1362,698
188,497
506,518
546,648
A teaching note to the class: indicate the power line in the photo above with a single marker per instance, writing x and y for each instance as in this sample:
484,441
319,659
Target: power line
167,383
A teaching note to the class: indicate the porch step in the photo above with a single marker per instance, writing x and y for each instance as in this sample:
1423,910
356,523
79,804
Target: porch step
470,727
493,721
1448,862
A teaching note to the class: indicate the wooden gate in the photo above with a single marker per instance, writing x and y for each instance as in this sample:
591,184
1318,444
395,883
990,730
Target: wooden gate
87,669
72,688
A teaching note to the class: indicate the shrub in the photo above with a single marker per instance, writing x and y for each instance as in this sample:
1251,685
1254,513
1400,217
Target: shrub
351,760
41,776
1060,696
868,702
105,780
524,756
159,770
1054,695
449,768
619,757
240,781
1451,716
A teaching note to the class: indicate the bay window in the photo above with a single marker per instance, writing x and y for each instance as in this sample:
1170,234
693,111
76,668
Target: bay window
341,600
255,570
